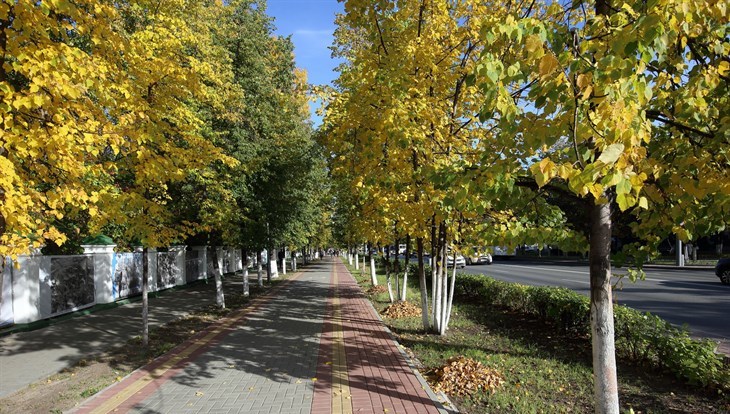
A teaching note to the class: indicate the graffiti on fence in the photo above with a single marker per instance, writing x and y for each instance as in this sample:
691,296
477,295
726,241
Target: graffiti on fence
127,275
71,283
167,269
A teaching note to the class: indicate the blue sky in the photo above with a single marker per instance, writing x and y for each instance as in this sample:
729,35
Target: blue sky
311,24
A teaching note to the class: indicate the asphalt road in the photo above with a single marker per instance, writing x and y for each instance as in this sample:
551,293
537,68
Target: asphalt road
692,297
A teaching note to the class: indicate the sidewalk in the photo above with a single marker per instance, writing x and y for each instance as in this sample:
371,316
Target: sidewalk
26,357
315,345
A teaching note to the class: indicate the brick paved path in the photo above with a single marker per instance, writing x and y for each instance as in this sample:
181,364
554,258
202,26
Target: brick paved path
313,346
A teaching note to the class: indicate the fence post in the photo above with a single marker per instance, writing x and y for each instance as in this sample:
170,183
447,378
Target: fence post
202,262
26,288
6,294
103,257
179,250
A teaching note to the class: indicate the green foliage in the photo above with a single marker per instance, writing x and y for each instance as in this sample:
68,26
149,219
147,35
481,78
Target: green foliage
641,337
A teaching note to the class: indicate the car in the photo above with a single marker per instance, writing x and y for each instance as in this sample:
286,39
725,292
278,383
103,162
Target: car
460,261
722,270
479,258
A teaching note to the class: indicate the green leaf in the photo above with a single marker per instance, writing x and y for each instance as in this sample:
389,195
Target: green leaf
623,186
611,153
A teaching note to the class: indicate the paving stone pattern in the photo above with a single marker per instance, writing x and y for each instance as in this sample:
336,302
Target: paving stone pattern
263,366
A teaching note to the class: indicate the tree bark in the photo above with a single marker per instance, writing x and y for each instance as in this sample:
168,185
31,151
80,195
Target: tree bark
219,299
450,303
246,289
422,284
602,329
268,265
259,276
145,297
397,269
373,276
433,268
387,276
405,273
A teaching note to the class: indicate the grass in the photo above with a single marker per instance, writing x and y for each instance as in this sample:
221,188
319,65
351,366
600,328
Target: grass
545,371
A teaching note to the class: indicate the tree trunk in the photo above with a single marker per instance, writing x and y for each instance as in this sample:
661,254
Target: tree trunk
145,298
387,276
357,261
437,289
450,303
397,276
246,290
283,261
433,268
405,273
259,276
268,265
219,299
422,284
373,276
602,329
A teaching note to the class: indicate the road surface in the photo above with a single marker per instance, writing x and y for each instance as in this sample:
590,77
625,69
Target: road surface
692,297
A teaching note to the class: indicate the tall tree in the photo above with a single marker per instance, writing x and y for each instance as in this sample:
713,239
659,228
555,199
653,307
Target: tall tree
586,93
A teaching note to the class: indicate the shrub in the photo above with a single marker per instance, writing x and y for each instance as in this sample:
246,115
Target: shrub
640,336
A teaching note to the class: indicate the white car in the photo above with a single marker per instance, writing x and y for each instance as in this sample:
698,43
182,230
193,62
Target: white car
479,258
460,261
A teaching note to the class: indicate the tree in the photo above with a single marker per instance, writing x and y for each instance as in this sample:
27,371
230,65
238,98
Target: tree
53,112
402,126
584,92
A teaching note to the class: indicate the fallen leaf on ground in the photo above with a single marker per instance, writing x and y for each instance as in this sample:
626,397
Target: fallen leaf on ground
402,310
463,376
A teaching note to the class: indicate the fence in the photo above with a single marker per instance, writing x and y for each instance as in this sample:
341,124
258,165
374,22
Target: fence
36,287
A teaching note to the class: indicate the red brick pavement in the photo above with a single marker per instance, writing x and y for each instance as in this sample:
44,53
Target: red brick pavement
380,379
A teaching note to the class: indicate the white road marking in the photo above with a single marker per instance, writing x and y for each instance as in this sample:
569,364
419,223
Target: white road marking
552,270
579,281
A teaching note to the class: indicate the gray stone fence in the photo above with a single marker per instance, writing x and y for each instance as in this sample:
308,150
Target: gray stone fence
37,286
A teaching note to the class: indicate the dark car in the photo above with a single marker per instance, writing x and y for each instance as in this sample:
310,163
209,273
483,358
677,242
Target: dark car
722,270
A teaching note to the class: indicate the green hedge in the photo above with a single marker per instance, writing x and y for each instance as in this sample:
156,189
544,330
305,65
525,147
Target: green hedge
640,336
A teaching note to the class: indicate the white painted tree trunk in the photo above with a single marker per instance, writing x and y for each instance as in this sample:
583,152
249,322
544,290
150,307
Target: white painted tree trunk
434,284
260,275
602,329
450,304
219,299
438,298
404,291
145,298
405,283
274,267
246,288
373,277
444,298
349,258
387,278
422,285
294,262
390,288
244,260
357,262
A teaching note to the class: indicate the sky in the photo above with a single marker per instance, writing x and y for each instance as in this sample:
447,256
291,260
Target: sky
311,25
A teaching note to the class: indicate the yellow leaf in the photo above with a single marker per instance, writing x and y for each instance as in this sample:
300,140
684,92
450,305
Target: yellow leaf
584,80
548,64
